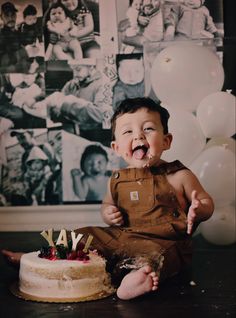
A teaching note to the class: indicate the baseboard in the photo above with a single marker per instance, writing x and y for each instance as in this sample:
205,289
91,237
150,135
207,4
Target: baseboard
44,217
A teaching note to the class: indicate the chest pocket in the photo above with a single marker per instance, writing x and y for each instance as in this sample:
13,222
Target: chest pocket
136,196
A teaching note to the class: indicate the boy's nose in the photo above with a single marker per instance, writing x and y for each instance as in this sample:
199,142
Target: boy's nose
139,136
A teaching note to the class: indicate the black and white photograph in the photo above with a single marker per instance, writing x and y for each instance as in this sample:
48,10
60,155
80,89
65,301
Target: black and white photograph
130,77
117,158
86,169
21,37
31,167
82,100
143,21
72,29
19,95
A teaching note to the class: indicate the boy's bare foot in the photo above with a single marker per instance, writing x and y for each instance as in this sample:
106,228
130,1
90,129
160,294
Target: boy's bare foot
12,257
137,283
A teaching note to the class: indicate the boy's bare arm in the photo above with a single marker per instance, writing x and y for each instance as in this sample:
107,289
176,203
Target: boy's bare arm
79,186
109,211
201,203
52,28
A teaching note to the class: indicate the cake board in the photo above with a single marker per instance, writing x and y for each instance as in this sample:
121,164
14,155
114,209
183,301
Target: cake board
14,288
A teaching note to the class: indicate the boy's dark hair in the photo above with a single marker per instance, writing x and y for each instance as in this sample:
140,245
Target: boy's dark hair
56,5
92,149
29,10
122,57
131,105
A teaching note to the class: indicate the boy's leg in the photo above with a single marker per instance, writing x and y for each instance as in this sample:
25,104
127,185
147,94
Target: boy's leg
164,259
174,257
59,53
75,47
177,257
13,258
104,239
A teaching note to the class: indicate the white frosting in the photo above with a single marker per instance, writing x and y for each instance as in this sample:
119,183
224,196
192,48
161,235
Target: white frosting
40,277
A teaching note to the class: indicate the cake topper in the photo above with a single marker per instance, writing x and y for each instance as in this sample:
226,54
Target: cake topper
62,239
48,236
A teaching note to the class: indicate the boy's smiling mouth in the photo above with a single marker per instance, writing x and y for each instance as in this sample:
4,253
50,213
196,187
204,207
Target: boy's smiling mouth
140,152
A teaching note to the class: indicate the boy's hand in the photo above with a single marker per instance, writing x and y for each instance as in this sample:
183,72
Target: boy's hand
67,36
143,20
73,32
112,215
192,215
76,172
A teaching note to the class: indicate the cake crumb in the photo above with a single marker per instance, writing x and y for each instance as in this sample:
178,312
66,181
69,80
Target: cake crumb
66,308
192,283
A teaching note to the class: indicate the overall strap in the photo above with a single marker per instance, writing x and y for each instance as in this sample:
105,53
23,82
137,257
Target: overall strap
168,167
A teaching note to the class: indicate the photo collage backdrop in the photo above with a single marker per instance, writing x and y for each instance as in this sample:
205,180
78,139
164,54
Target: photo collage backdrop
65,66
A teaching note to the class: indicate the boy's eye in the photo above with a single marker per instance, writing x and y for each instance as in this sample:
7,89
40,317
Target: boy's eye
127,132
148,129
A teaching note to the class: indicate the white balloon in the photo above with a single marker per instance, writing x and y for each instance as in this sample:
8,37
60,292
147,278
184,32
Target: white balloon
220,228
216,114
228,143
183,74
188,139
215,169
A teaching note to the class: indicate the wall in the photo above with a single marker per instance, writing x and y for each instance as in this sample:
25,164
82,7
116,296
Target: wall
73,216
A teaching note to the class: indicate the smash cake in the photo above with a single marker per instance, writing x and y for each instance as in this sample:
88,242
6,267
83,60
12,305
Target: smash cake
64,272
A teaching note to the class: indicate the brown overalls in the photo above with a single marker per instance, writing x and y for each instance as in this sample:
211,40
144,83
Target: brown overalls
154,229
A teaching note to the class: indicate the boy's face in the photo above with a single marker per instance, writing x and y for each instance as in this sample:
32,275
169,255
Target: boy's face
30,19
137,4
9,19
194,4
57,15
140,136
150,6
95,164
131,71
36,170
81,72
36,165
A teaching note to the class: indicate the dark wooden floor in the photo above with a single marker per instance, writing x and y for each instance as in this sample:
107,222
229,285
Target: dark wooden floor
214,295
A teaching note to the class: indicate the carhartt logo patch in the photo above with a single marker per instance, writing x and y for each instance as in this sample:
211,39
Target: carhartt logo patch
134,196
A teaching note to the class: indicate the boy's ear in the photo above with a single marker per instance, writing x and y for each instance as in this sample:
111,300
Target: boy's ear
167,141
115,147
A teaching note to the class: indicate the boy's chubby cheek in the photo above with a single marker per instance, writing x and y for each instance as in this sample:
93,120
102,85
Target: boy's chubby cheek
127,155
